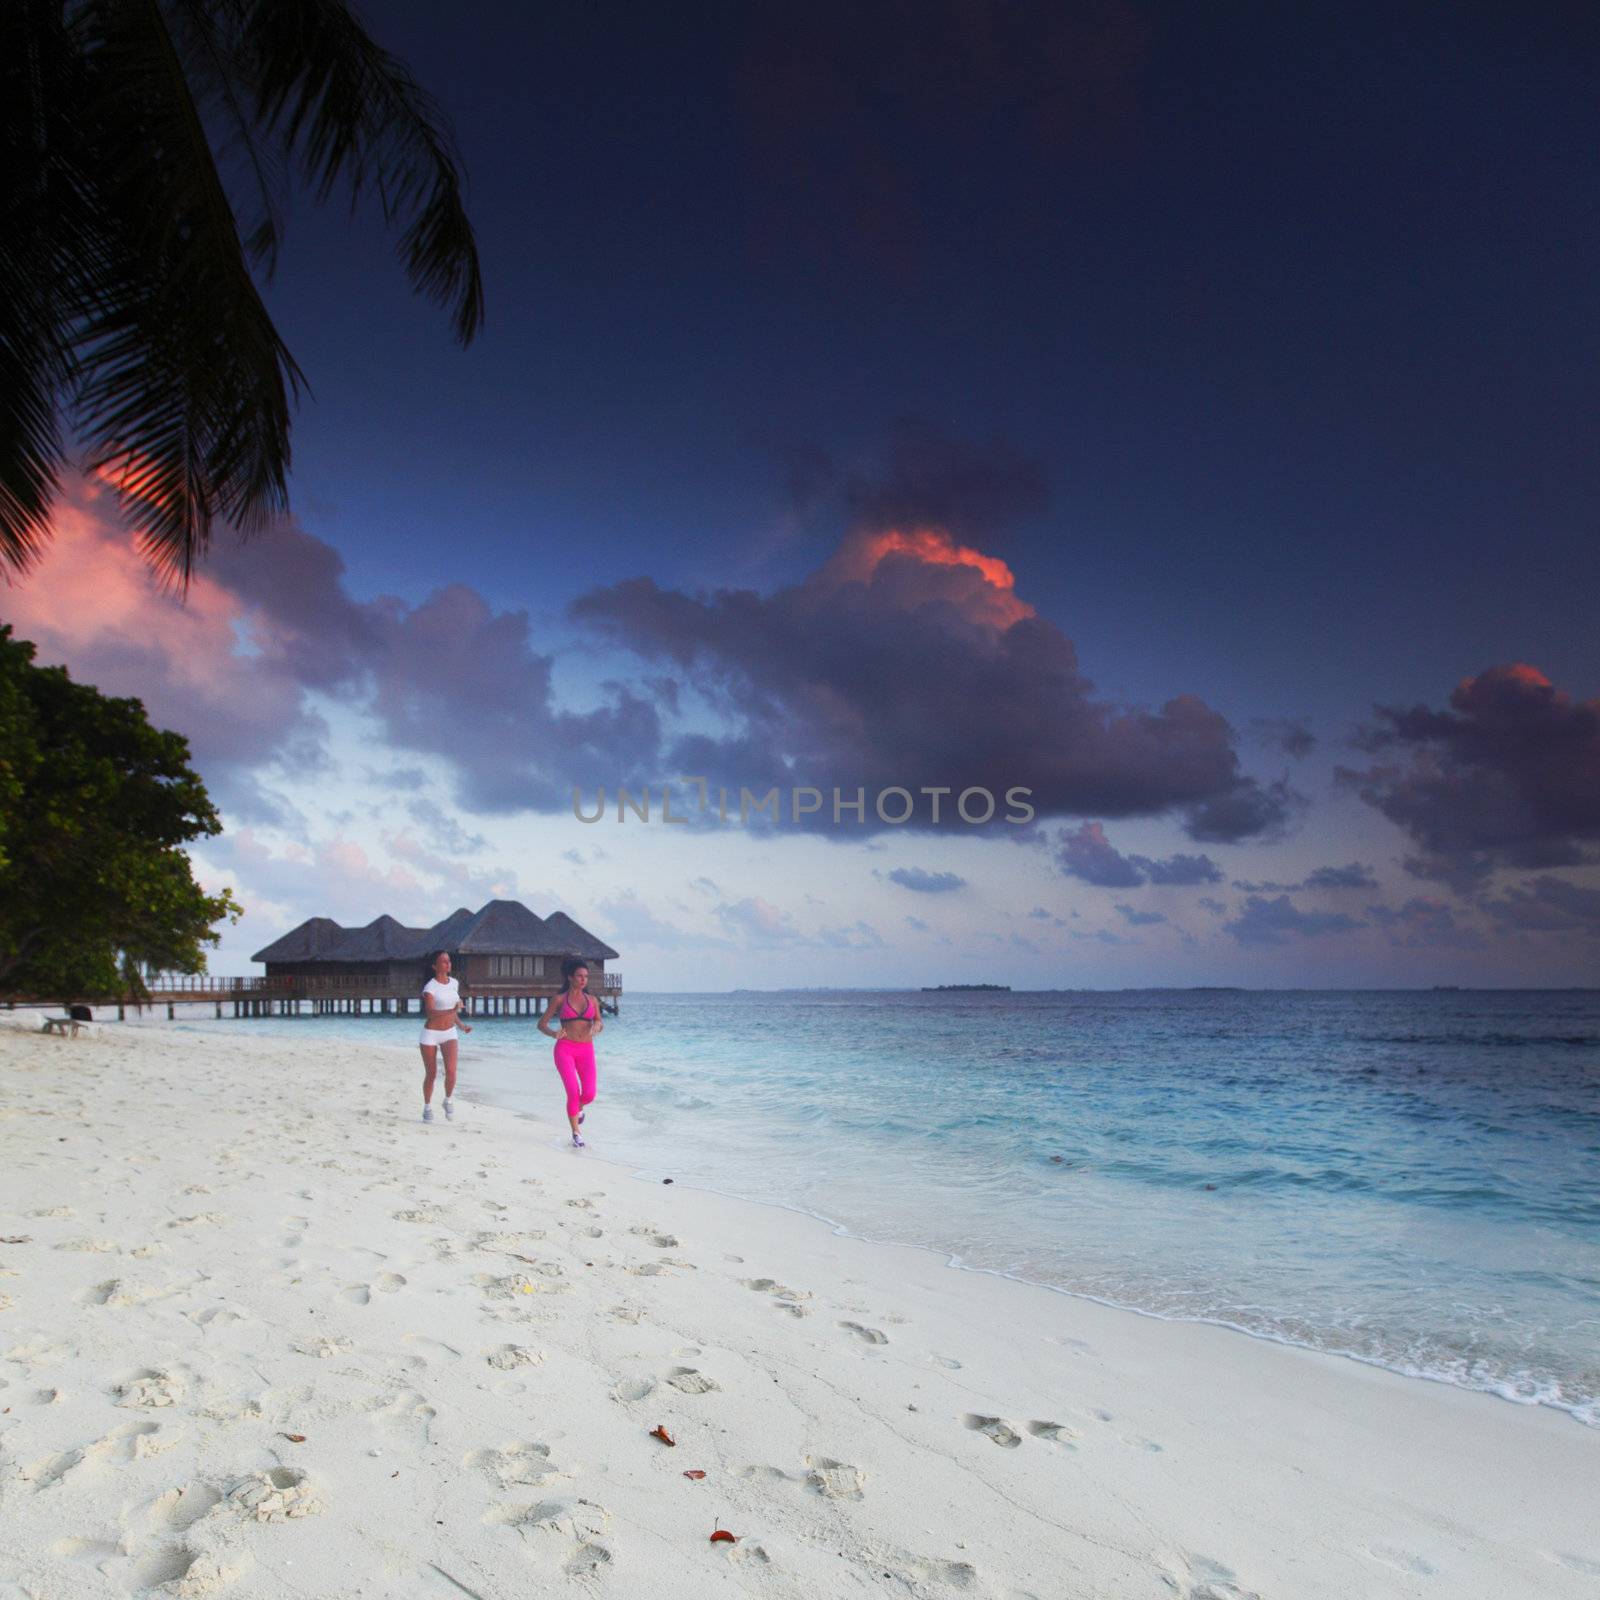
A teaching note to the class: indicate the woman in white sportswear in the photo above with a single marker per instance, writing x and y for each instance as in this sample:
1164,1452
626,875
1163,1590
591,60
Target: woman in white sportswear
441,1028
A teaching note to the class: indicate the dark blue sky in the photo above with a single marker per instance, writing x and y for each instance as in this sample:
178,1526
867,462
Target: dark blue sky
1296,309
1258,341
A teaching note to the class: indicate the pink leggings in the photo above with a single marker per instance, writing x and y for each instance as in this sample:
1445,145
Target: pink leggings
575,1063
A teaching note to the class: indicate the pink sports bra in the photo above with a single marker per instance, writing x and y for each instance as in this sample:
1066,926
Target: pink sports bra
568,1015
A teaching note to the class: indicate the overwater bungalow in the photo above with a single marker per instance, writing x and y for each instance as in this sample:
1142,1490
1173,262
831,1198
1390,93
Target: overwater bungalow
507,959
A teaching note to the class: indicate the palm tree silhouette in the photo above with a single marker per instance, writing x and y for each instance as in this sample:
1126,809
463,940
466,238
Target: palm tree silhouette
145,146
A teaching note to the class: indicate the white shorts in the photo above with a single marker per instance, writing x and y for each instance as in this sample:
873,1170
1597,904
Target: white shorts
438,1035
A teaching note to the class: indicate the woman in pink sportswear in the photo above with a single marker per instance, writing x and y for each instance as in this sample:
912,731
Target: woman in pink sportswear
577,1013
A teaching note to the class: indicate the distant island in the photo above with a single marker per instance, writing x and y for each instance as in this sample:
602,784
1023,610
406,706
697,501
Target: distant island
966,988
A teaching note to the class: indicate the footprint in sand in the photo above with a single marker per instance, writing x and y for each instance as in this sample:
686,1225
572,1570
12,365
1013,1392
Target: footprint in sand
568,1533
785,1298
119,1293
124,1442
834,1480
408,1409
629,1390
1057,1433
359,1294
93,1550
662,1241
429,1352
919,1570
1200,1578
180,1507
867,1335
149,1388
507,1357
1588,1565
1401,1560
687,1381
280,1494
995,1428
203,1219
324,1348
520,1462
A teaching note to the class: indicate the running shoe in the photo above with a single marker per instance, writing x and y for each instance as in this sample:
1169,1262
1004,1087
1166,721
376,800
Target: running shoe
427,1113
577,1142
449,1111
581,1116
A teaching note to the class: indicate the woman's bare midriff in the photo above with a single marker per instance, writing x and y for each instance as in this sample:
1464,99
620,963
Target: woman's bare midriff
438,1021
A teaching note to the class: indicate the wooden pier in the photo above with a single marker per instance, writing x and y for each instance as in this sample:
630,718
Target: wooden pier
345,997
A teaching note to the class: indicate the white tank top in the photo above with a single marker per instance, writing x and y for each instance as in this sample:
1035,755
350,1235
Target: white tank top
446,995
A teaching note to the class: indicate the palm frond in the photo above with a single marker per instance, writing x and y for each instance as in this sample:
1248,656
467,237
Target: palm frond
347,109
206,35
186,384
39,221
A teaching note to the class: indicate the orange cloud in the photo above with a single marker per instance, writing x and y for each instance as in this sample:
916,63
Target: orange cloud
91,603
981,586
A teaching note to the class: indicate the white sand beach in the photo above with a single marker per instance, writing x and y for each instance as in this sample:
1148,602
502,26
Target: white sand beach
263,1333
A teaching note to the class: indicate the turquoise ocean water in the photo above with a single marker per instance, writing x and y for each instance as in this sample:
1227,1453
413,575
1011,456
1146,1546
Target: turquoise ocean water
1410,1179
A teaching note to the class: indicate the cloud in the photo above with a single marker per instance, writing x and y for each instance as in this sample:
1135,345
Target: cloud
1215,907
1548,905
922,882
909,659
857,935
756,921
1272,922
457,881
634,923
1287,736
268,624
1508,776
1086,853
1422,923
1179,869
1353,876
92,602
916,924
1140,919
444,829
929,480
335,877
1244,810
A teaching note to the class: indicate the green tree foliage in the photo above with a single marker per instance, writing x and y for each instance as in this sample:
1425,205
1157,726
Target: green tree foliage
95,807
144,146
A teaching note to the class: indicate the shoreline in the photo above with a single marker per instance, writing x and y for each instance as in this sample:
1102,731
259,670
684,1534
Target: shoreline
863,1414
1578,1411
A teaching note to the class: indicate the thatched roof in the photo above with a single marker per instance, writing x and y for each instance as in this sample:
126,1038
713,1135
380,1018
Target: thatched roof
311,941
502,927
572,940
